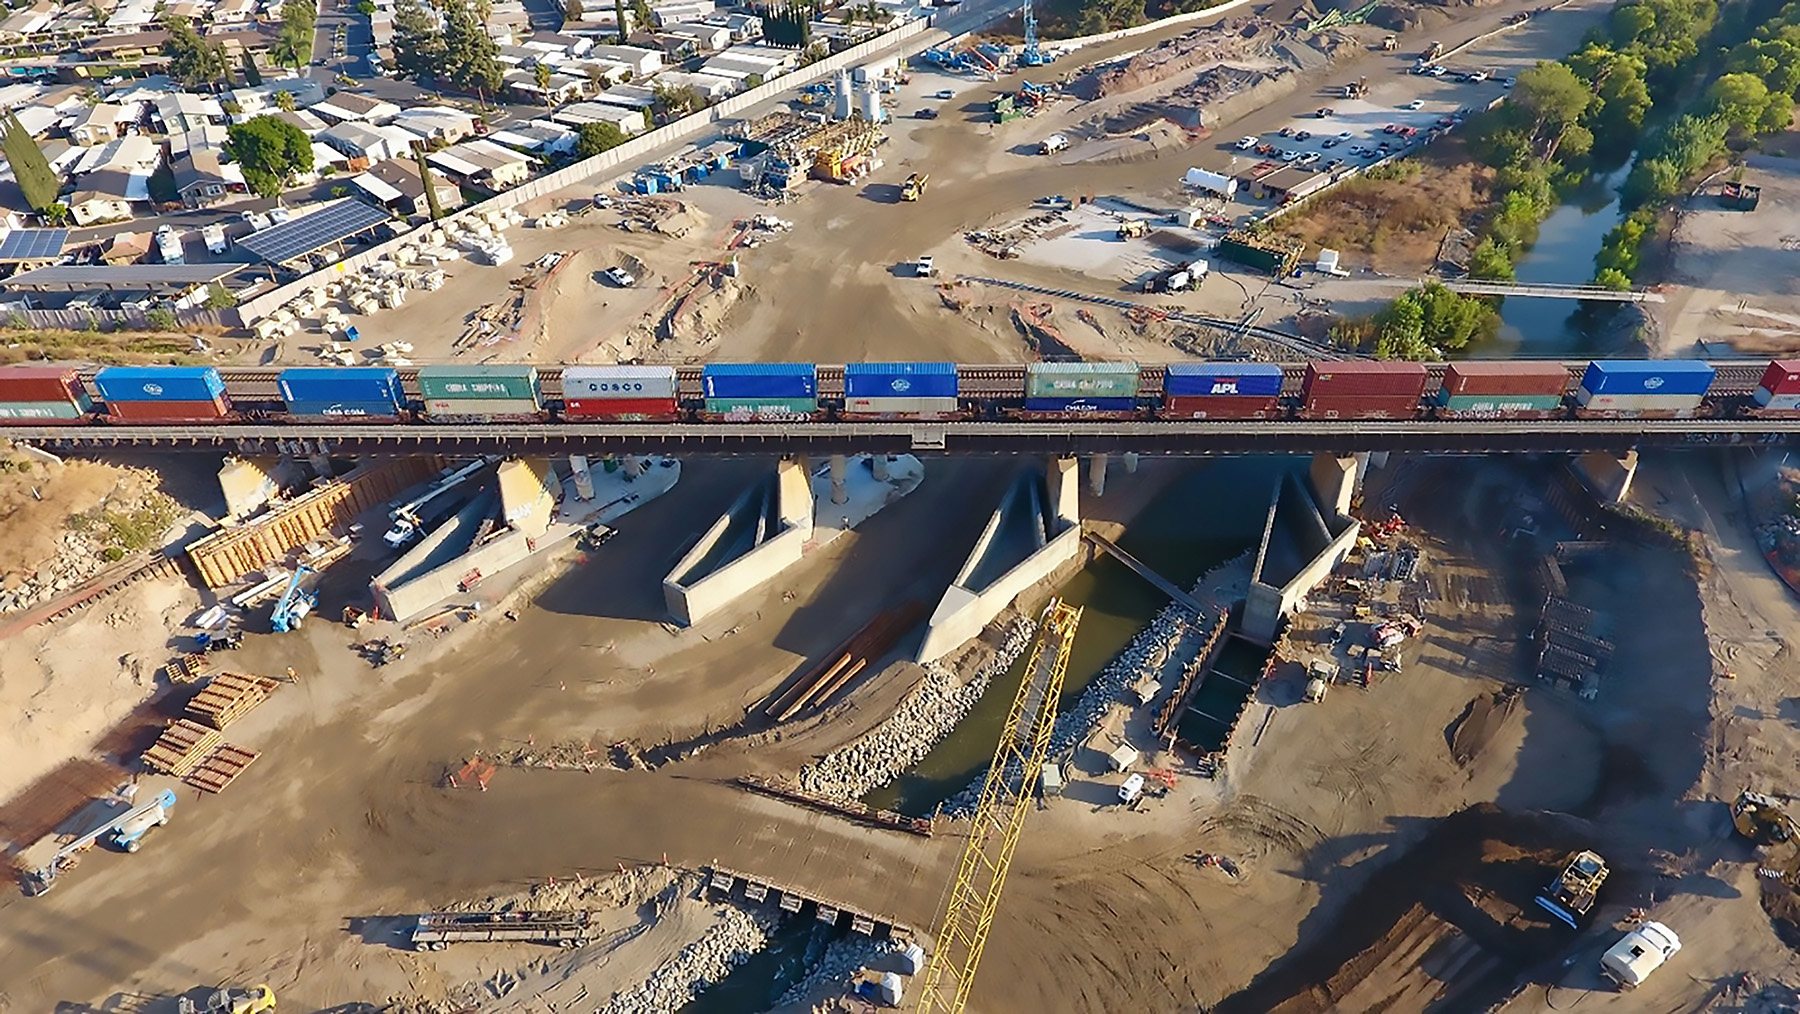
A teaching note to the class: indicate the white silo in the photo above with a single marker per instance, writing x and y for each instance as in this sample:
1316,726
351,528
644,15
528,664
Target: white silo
868,105
842,99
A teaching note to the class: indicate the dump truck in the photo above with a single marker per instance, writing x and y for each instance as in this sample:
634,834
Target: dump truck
437,930
1571,895
914,187
256,1000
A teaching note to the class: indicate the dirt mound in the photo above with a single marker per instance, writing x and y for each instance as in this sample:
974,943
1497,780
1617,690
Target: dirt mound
1479,723
1234,39
1450,921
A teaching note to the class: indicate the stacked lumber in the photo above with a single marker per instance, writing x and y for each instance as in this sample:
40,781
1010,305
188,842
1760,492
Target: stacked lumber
181,748
220,768
229,697
185,669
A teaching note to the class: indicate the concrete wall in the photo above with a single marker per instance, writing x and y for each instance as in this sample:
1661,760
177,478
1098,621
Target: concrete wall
416,581
962,612
1266,605
1607,475
690,603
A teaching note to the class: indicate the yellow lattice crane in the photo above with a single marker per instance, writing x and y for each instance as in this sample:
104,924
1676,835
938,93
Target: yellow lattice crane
1000,816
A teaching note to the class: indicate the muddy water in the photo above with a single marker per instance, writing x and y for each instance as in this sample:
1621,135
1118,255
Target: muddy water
1206,517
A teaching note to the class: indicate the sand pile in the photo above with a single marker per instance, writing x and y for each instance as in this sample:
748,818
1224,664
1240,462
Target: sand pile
1231,40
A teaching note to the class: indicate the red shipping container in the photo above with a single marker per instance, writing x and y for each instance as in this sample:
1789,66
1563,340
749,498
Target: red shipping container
1358,377
1195,406
1501,377
37,383
166,411
1378,406
1782,377
613,408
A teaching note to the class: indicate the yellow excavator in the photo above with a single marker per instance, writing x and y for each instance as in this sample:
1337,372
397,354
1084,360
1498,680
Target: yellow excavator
1763,820
255,1000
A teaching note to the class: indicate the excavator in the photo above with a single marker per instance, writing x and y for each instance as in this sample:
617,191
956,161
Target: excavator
255,1000
1765,822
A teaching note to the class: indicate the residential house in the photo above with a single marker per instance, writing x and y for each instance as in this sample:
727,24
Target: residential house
126,248
360,141
309,124
483,163
346,107
712,88
395,185
558,43
233,12
183,111
561,87
132,14
38,120
244,38
210,137
188,10
731,62
255,100
674,48
643,62
128,45
102,196
541,138
199,178
743,27
437,123
508,22
603,73
682,10
629,121
630,96
132,154
327,159
20,26
706,38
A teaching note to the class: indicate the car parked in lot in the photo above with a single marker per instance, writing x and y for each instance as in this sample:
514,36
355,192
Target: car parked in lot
1288,156
1334,165
1286,132
1324,112
1415,104
926,113
946,93
1303,135
620,277
1309,158
1246,143
1330,142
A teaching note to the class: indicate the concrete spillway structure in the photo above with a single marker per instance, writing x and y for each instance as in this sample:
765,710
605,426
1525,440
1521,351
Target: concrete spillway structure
777,521
1307,533
1035,530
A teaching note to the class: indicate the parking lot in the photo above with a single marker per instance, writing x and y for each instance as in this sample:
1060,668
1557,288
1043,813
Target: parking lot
1352,132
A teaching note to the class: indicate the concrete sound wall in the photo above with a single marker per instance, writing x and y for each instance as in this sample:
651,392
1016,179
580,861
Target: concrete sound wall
690,603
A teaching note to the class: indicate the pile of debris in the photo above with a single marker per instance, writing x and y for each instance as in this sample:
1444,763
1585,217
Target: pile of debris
841,960
1227,41
134,516
735,938
662,215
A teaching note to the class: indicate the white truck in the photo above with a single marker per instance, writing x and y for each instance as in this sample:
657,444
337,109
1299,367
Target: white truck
1053,144
1642,951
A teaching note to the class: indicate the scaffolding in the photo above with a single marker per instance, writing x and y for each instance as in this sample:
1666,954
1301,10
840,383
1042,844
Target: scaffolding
1000,816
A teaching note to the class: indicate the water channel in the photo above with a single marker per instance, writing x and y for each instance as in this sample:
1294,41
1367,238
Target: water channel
1534,328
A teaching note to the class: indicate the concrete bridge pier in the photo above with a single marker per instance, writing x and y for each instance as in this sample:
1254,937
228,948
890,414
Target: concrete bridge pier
1336,480
584,479
1608,475
632,466
1131,462
1097,474
840,471
321,464
878,464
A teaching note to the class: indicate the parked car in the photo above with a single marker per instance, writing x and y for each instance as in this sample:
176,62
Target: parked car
1344,136
1415,104
1437,70
1391,128
1286,132
926,113
1309,158
1245,144
1324,112
1289,156
1303,135
1330,142
946,93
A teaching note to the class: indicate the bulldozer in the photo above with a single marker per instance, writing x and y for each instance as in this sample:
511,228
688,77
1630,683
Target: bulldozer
1762,819
1571,895
255,1000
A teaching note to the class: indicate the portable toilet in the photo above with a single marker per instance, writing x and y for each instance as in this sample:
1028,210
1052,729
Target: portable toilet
1051,782
1123,758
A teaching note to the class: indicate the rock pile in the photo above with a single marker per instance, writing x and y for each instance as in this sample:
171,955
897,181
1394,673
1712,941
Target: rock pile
134,517
924,718
728,943
843,958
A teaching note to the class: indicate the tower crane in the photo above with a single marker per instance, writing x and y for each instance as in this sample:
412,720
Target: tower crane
1019,759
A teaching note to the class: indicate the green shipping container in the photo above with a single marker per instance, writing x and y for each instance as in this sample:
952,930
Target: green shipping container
481,383
1499,404
778,407
39,410
1081,380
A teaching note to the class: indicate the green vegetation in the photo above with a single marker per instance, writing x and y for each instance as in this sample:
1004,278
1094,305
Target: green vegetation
159,318
124,531
30,166
299,23
194,61
789,27
572,11
1423,324
458,52
593,138
272,152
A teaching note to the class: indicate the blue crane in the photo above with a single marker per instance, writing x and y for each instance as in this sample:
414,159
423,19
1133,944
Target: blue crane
295,603
1030,55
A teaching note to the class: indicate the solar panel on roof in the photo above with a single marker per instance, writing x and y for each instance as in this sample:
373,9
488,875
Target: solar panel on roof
330,224
33,244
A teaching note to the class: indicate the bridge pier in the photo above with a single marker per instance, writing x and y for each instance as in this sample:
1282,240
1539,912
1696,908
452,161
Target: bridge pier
878,464
1097,474
840,469
1131,462
1336,479
1608,475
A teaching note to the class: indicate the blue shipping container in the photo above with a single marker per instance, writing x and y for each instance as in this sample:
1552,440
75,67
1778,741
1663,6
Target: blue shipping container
760,380
1645,376
1250,380
900,380
159,383
344,409
1079,405
367,384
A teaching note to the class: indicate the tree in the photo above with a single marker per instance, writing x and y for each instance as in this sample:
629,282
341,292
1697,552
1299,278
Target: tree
419,50
471,59
593,138
1489,260
620,17
541,75
572,11
284,100
299,23
30,167
1400,330
1553,97
677,102
1742,99
252,76
431,198
193,61
271,151
596,78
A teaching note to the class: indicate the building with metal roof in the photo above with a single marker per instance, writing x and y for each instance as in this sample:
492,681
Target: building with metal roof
155,278
327,227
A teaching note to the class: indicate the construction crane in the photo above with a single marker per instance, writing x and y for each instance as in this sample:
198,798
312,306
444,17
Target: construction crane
1019,759
295,603
1030,55
126,830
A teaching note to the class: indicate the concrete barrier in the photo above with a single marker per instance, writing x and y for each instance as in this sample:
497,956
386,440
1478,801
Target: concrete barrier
692,598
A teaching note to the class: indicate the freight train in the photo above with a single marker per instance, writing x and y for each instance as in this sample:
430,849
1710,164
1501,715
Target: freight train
730,392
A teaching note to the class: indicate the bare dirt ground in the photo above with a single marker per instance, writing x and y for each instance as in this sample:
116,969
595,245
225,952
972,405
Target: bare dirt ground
1735,290
1397,224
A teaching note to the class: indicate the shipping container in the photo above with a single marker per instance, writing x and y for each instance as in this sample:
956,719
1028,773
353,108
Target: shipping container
1220,406
1503,377
900,380
483,408
1777,402
360,385
22,384
631,383
373,411
1782,377
1081,380
159,383
1248,380
479,383
933,408
1080,406
1361,406
42,411
1363,378
1645,376
167,411
1641,404
759,380
622,409
1499,405
761,408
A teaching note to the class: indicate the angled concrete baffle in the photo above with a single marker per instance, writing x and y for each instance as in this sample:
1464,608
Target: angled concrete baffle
1036,529
780,519
1308,532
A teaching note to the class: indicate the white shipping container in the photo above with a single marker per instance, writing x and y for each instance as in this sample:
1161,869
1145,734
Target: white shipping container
622,382
900,405
1639,402
1778,402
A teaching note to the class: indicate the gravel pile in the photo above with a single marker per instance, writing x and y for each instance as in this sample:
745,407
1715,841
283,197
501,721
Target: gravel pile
702,964
924,718
843,958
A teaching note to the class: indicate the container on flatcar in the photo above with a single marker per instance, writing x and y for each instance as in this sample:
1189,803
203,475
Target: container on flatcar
341,392
748,409
167,411
912,390
42,394
788,381
1082,406
160,383
1779,390
1362,389
1502,388
43,411
1637,386
493,391
1221,391
632,393
1104,381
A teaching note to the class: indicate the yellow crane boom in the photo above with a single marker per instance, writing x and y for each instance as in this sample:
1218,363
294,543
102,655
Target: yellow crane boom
1000,816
